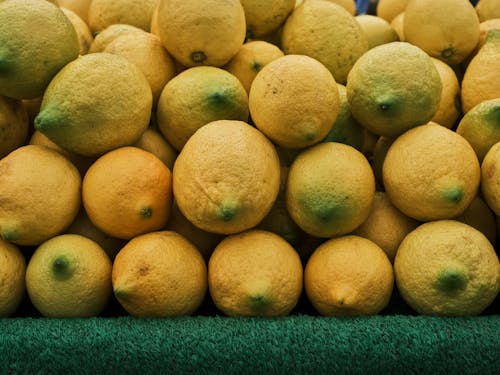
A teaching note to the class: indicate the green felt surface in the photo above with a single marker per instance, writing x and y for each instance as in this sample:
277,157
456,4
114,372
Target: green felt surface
297,344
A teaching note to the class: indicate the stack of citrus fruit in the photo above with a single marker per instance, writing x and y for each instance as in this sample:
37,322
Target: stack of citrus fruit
251,153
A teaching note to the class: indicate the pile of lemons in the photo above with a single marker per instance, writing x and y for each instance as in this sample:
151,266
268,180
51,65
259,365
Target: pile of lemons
162,151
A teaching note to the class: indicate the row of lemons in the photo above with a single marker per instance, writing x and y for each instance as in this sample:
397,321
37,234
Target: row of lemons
155,151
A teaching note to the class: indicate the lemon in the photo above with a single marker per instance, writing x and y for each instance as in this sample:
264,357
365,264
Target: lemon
377,30
80,7
85,37
330,189
12,275
378,156
69,276
294,101
348,276
159,274
263,17
349,5
488,9
386,225
390,9
195,97
148,54
110,33
103,13
127,192
14,125
346,129
481,126
481,79
29,58
392,88
152,141
326,32
250,59
431,173
255,273
448,268
449,107
96,103
445,29
201,32
40,193
227,177
490,178
397,24
478,215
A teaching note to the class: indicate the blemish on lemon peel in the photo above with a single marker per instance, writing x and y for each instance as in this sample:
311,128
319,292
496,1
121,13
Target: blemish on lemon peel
451,279
198,57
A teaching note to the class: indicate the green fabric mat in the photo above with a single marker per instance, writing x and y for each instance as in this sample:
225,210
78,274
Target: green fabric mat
297,344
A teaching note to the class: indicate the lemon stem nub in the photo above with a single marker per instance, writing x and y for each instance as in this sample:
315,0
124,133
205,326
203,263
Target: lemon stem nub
451,279
61,267
146,212
198,57
447,53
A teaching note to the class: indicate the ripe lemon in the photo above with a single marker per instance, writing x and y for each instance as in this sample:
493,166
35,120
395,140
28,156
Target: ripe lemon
349,5
488,9
386,225
330,189
348,276
445,29
263,17
197,96
250,59
326,32
40,193
392,88
446,267
204,241
83,32
484,29
80,7
152,141
346,129
227,177
390,9
30,57
84,227
148,54
449,107
378,156
14,125
12,274
127,192
481,126
431,173
207,32
294,101
481,80
481,217
255,273
377,30
159,274
102,13
397,24
110,33
96,103
69,276
490,180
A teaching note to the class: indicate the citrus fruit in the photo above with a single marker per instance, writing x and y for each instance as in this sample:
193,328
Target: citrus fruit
294,101
389,9
478,215
83,32
377,30
397,24
490,180
227,177
255,273
348,276
110,33
69,276
80,7
152,141
14,125
392,88
159,274
349,5
263,17
127,192
431,173
488,9
207,32
197,96
448,268
330,189
40,193
94,104
30,58
12,274
326,32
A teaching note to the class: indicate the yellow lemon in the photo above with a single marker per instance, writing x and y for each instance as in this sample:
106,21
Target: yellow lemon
227,177
448,268
152,141
14,125
488,9
294,101
348,276
12,276
478,215
159,274
85,37
390,9
80,7
263,17
255,273
110,33
377,30
490,180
